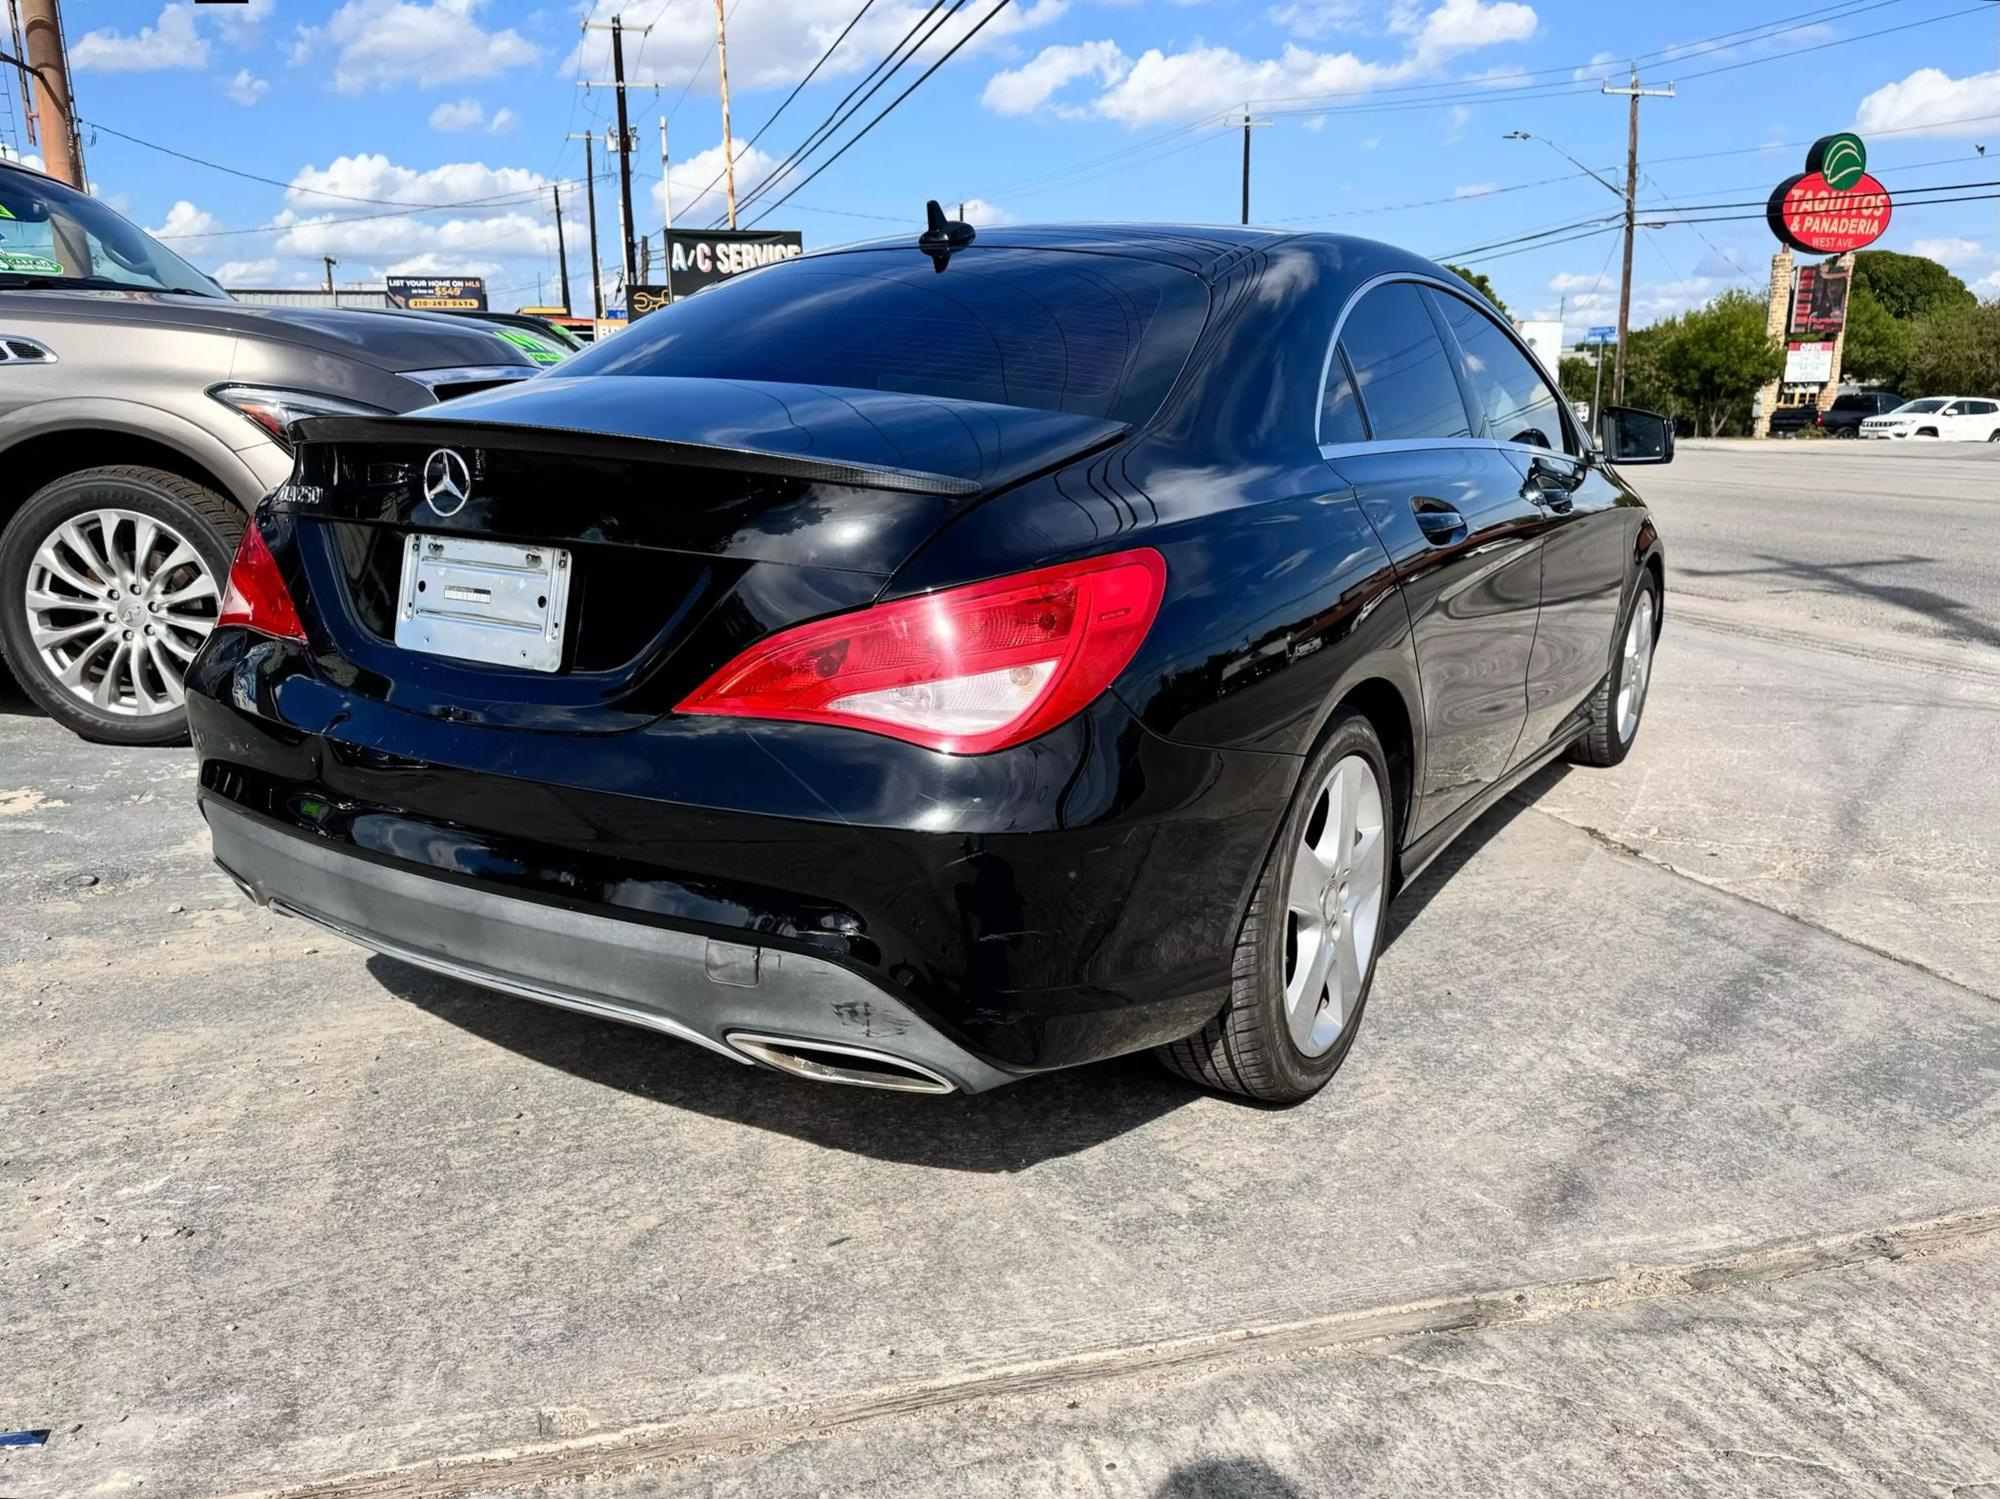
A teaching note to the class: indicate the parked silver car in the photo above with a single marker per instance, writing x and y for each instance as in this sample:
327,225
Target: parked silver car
143,413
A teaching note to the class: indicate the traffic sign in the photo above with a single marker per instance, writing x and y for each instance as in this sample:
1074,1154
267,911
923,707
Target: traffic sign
1602,336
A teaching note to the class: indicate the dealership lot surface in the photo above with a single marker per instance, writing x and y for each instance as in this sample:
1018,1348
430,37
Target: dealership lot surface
1669,1156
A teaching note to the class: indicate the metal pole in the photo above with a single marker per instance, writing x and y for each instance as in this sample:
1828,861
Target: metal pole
624,145
667,199
562,248
41,21
1597,400
728,145
1246,163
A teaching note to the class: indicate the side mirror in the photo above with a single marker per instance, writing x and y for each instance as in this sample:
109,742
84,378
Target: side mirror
1634,436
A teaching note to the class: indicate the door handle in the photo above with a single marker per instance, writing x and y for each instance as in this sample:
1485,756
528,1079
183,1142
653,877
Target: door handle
1440,524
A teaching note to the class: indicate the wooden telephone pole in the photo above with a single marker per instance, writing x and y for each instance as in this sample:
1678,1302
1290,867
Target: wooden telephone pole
562,249
1635,93
47,59
728,145
627,140
590,208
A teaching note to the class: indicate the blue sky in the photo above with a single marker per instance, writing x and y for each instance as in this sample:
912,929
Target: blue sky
1386,119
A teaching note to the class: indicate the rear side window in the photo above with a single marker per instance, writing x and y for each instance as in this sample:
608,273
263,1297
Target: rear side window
1513,397
1981,408
1097,335
1401,370
1339,411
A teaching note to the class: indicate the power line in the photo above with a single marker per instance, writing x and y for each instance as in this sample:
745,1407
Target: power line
840,114
887,109
811,73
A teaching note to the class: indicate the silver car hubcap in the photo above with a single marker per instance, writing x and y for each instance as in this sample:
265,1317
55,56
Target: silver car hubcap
1333,905
117,605
1637,668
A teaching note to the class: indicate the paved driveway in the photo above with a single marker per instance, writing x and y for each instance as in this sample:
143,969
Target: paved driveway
1669,1158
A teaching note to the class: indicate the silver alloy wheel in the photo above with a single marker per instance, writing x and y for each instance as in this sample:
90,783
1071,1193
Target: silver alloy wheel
1636,672
117,605
1333,906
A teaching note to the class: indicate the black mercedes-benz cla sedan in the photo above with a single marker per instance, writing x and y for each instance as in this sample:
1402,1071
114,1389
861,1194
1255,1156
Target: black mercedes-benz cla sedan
930,663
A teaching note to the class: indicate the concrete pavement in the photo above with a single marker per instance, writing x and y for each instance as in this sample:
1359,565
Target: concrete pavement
1699,1058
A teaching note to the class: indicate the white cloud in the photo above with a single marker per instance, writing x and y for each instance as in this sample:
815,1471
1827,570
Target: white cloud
1022,90
245,272
1594,69
1931,102
531,232
170,42
774,42
1203,80
458,114
27,159
1455,123
431,263
700,192
504,120
374,177
183,220
982,214
1318,18
1950,250
1474,189
381,43
246,87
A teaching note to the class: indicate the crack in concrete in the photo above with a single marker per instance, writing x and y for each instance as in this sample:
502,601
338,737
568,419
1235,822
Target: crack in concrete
1618,846
652,1444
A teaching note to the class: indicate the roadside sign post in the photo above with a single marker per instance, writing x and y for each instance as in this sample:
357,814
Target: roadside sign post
1599,337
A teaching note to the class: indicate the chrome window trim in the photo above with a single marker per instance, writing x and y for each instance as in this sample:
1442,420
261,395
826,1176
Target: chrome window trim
1423,278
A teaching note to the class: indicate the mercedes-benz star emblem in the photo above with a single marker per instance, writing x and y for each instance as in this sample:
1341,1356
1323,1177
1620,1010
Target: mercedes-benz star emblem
447,482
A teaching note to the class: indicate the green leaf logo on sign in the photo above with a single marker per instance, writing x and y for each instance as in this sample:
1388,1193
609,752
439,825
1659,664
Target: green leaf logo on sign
1841,159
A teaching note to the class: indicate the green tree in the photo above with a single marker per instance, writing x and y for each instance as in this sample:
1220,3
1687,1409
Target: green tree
1908,286
1478,282
1715,358
1578,377
1955,351
1878,346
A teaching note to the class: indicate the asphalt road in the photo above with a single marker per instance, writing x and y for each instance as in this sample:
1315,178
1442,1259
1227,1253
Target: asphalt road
1668,1160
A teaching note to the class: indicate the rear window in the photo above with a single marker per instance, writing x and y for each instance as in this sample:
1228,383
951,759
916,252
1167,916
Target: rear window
1854,403
1090,334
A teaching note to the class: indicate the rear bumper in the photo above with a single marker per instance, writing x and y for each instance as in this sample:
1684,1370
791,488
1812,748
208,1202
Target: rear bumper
698,989
1070,900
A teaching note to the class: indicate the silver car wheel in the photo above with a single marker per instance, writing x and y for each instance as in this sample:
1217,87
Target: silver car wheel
1334,905
1636,672
117,604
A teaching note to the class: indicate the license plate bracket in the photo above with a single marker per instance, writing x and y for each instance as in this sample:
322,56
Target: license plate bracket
488,601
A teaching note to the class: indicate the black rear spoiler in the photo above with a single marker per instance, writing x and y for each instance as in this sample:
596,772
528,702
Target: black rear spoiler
892,440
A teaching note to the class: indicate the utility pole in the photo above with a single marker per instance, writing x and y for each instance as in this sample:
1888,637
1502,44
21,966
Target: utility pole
562,250
667,200
728,145
626,139
1634,92
330,264
41,21
1248,125
590,207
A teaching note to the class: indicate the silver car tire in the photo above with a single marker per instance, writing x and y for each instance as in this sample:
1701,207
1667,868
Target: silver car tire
110,579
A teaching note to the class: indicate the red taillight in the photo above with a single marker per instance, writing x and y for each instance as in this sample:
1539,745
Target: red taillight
968,670
256,597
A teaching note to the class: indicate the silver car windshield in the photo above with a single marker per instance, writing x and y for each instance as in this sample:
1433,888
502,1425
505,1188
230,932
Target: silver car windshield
52,235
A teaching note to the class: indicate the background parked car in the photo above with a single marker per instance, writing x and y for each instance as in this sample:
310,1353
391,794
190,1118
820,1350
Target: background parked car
1845,416
1945,418
142,414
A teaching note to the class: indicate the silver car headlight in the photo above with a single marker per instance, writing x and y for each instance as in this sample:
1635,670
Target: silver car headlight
276,410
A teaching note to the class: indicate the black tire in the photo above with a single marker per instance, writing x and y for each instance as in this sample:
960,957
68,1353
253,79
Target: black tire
1602,745
1248,1048
210,523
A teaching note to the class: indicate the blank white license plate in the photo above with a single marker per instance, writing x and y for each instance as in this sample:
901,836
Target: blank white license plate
484,601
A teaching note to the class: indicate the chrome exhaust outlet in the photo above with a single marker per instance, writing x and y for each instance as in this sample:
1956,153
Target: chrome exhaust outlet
828,1062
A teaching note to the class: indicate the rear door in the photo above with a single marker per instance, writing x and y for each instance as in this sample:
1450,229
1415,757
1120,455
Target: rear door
1978,421
1449,508
1585,550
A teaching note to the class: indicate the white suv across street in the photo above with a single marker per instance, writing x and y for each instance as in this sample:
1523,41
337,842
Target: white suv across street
1949,418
